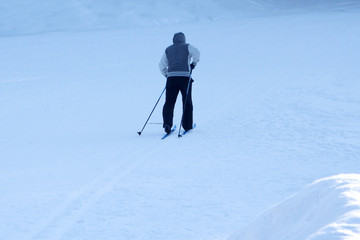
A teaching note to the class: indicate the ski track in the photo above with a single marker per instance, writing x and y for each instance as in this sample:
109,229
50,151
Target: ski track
60,221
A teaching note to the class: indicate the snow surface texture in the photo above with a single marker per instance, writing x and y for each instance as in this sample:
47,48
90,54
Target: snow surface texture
328,209
276,102
27,17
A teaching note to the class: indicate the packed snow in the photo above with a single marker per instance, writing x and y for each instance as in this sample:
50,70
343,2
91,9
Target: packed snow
276,102
326,209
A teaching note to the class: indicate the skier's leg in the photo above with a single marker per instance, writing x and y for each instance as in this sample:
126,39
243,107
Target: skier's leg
168,109
187,123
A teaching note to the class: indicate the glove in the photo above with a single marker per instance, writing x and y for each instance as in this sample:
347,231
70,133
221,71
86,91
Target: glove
192,65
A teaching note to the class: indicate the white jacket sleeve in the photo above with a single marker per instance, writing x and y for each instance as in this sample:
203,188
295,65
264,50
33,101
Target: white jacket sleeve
194,53
163,65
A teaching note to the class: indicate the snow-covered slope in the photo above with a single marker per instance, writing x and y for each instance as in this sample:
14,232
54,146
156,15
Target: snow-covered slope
276,101
315,4
328,209
32,16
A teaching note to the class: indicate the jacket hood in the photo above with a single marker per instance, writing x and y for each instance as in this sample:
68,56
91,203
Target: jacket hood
179,38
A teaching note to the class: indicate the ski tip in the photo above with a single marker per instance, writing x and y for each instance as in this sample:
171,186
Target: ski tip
179,135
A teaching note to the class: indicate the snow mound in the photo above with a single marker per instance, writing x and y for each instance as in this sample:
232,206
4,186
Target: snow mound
327,209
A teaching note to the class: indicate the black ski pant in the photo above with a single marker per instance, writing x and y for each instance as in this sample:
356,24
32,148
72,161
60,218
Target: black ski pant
173,86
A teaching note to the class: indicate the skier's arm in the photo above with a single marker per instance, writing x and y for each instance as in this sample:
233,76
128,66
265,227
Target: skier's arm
163,65
194,53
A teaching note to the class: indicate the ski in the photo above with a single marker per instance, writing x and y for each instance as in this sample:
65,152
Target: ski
168,134
185,132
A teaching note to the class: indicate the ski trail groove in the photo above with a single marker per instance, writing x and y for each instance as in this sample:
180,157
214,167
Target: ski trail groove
60,221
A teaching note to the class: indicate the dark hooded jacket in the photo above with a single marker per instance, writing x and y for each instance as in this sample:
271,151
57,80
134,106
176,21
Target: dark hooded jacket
178,54
177,57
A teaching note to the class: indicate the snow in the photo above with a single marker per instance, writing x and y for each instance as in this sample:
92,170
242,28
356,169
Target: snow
326,209
32,17
275,101
27,17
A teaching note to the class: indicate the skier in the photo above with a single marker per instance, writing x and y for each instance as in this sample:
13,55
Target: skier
175,65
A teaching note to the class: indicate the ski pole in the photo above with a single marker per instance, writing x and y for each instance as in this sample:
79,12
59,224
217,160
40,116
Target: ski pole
187,93
152,112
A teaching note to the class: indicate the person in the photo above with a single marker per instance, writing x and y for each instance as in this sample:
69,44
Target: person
175,64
